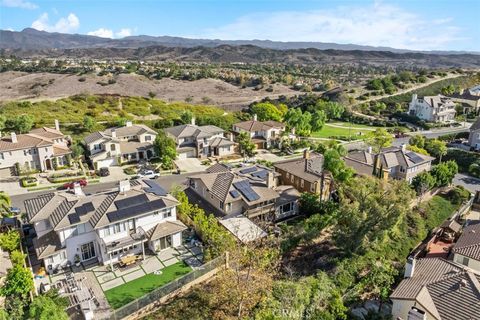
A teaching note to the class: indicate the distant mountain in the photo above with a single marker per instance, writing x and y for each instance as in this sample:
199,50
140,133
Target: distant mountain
31,39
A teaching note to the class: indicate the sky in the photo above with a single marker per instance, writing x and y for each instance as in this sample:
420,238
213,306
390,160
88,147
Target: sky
403,24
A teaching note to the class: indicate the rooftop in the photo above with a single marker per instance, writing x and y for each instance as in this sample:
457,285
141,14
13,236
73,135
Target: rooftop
124,131
310,169
190,130
468,244
254,125
40,137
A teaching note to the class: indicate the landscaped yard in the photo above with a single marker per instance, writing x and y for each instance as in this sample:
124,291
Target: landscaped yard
134,289
437,210
343,129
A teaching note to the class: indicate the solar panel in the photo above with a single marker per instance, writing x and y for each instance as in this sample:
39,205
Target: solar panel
89,206
246,189
73,218
260,174
234,194
84,209
248,170
414,157
132,211
131,202
155,188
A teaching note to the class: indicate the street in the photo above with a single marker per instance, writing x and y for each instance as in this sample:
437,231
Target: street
470,183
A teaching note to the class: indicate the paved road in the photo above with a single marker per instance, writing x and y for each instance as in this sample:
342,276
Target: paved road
470,183
165,181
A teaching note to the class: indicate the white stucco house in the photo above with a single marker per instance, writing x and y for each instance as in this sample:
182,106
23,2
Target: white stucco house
200,141
41,149
432,108
264,134
132,142
105,226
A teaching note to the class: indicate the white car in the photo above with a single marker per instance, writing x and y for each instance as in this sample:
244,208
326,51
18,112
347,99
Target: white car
148,174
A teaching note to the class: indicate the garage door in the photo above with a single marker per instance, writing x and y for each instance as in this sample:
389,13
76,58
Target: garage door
105,163
187,154
6,172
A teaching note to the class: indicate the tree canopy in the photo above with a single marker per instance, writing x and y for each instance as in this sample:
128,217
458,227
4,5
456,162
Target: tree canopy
380,138
166,149
266,111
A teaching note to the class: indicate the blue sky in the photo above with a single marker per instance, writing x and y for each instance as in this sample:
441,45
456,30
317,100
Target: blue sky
420,24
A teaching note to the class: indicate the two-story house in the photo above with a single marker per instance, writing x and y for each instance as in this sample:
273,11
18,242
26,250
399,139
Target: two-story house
41,149
252,191
306,174
103,227
432,108
200,141
393,162
132,142
264,134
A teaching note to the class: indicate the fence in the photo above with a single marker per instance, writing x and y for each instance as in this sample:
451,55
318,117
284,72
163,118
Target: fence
166,290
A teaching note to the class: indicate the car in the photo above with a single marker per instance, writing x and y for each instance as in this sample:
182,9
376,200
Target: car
149,174
70,185
15,210
103,172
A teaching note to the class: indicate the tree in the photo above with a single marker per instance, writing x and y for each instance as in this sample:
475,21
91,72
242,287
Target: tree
318,120
19,282
375,84
266,111
333,110
444,173
49,306
417,140
300,121
380,138
379,280
448,90
418,150
166,149
436,148
334,163
187,117
22,123
247,147
88,123
10,240
3,121
423,182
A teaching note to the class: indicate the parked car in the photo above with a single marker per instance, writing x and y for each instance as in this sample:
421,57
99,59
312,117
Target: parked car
70,185
15,210
149,174
103,172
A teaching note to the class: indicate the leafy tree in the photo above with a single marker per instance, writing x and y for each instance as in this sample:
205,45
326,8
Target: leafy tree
333,110
423,182
444,173
436,148
379,280
3,121
22,123
19,282
318,120
247,147
49,306
10,240
380,138
375,84
165,148
335,164
88,123
379,107
78,149
17,257
300,121
266,111
418,150
417,140
15,307
448,90
186,117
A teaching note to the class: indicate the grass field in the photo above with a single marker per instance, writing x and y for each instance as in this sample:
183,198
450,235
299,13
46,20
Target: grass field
125,293
337,129
437,210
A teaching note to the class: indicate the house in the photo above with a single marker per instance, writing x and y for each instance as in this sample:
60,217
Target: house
264,134
132,142
41,149
105,226
432,108
434,289
393,162
200,141
474,135
252,191
469,98
306,174
466,250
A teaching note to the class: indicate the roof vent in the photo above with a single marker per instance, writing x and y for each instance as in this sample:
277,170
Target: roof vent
77,189
124,186
463,283
128,124
13,136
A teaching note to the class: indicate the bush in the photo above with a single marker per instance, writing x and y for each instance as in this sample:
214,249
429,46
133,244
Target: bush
458,195
10,240
130,170
27,182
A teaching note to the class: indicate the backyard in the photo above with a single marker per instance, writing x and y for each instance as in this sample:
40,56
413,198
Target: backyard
343,129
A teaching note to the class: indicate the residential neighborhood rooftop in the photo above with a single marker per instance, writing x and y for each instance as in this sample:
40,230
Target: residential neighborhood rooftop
468,244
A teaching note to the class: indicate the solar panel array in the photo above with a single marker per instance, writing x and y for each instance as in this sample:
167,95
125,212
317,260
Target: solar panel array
415,158
262,174
234,194
131,202
248,170
155,188
246,190
134,210
73,218
84,209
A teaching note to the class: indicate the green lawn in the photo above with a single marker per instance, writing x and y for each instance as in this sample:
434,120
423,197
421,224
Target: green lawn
123,294
329,131
437,210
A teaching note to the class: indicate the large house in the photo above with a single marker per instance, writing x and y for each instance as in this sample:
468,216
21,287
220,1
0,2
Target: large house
432,108
393,162
132,142
436,289
264,134
252,191
469,98
474,135
41,149
200,141
466,250
306,174
103,227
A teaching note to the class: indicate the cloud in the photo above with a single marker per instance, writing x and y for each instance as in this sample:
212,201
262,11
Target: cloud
19,4
64,25
376,25
102,32
108,33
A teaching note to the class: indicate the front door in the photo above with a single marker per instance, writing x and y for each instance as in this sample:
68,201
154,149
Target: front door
165,242
88,251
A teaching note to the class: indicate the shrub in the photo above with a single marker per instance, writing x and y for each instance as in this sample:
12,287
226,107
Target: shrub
10,240
458,195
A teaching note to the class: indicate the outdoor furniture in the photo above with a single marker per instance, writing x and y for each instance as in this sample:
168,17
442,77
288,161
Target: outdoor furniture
128,260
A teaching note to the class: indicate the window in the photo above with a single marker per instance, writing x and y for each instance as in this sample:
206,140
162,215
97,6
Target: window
106,231
287,207
167,214
79,229
112,147
465,261
229,207
88,251
301,183
292,178
312,188
148,138
288,175
221,204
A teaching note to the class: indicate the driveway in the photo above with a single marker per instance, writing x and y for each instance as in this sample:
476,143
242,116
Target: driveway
190,165
267,155
470,183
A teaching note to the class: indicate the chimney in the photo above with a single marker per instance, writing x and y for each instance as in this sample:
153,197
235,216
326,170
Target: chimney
114,133
254,117
128,124
57,125
193,121
404,147
77,189
409,267
414,97
270,180
124,186
13,136
306,154
369,150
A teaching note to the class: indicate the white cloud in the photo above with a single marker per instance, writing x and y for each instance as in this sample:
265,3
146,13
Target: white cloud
64,25
376,25
19,4
102,32
125,32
